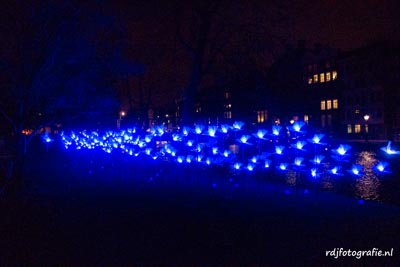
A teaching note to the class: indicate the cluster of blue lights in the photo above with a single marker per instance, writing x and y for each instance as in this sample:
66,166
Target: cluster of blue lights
228,145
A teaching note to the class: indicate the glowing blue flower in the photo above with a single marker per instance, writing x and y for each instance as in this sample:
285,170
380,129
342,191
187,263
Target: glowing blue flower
388,149
176,137
237,165
317,138
279,150
300,144
276,129
199,129
261,133
190,143
244,139
238,125
298,161
318,159
356,169
342,149
250,167
180,159
212,131
185,131
226,153
189,158
224,128
267,163
314,172
215,150
298,125
283,166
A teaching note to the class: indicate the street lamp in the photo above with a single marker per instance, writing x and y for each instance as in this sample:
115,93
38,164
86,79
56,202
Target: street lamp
121,115
366,118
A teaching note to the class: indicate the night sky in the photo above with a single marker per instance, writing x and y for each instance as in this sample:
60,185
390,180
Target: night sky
340,24
248,34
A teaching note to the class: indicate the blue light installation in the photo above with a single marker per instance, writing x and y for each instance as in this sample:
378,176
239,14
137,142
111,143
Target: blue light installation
180,147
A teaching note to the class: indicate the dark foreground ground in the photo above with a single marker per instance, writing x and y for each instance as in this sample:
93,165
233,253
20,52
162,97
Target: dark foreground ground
80,221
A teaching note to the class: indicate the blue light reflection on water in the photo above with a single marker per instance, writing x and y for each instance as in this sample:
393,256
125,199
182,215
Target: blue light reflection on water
367,185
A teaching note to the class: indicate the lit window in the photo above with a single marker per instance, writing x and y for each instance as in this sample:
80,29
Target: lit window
335,104
328,76
329,104
262,116
315,78
322,77
323,105
357,128
228,114
306,118
349,129
357,111
334,75
310,80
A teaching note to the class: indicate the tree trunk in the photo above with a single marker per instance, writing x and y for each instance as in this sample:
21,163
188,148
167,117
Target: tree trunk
191,92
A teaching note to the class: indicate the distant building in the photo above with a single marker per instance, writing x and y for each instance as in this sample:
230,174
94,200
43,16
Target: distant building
371,78
353,94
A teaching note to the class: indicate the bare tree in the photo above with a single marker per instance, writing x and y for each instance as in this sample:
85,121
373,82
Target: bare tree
217,33
55,55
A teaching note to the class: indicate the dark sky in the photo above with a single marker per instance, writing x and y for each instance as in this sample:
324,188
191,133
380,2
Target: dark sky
346,24
339,24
